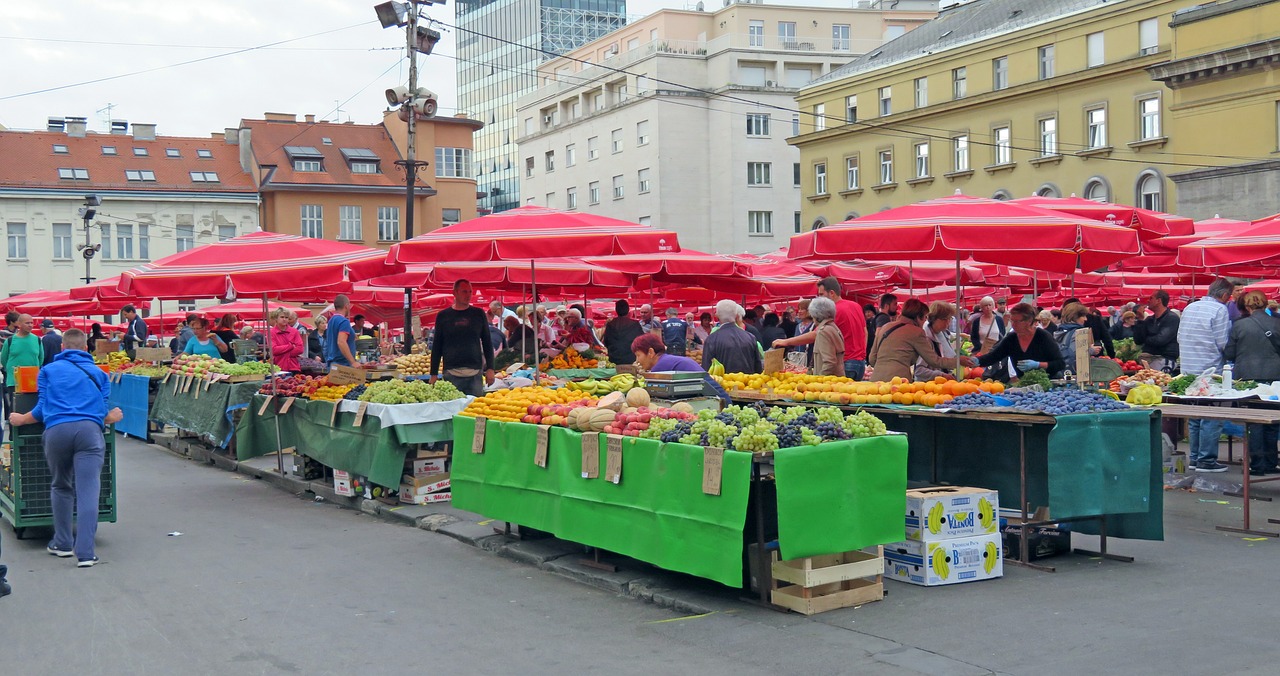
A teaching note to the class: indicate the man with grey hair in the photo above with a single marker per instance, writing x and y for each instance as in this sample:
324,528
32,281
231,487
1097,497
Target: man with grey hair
1202,336
729,343
648,322
849,319
73,406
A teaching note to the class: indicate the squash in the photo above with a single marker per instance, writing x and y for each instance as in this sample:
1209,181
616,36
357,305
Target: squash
577,419
612,401
600,419
638,397
683,407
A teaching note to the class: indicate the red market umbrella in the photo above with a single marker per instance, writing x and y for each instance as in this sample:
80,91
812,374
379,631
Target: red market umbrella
256,263
107,289
554,273
1149,224
12,302
1250,247
250,310
65,307
686,263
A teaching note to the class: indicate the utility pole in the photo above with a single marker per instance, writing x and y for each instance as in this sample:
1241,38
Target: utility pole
410,163
88,250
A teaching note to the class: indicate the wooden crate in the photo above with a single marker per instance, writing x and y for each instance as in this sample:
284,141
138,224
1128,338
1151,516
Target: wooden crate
817,584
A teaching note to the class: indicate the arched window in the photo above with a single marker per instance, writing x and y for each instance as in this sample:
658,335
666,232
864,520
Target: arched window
851,215
1096,189
1150,189
1002,194
819,222
1048,190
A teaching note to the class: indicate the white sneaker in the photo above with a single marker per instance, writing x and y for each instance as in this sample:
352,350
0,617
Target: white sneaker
87,563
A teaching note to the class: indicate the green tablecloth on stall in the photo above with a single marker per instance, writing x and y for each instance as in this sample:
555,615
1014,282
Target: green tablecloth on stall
207,414
582,373
841,495
368,450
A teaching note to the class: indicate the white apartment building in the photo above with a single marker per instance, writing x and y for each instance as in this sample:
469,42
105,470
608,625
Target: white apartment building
681,119
160,195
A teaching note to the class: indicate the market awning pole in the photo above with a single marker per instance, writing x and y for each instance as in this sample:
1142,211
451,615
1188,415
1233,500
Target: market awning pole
160,331
911,277
533,307
956,338
276,417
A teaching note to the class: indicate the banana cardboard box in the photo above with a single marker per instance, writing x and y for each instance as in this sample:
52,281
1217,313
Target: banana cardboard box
931,564
945,512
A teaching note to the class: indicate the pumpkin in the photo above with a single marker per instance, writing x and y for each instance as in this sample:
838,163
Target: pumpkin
638,397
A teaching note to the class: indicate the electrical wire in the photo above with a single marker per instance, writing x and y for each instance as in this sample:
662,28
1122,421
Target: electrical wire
190,46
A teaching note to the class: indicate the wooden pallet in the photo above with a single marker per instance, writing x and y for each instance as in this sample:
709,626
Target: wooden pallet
817,584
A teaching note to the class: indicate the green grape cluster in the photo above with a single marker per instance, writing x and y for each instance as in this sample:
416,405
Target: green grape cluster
706,414
809,438
409,392
863,424
830,414
658,427
756,437
719,433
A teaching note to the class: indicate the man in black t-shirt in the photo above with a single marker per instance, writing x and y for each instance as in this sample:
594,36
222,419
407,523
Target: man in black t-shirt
462,341
619,333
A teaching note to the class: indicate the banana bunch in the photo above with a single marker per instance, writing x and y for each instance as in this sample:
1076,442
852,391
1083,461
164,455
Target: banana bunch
619,383
986,515
991,557
937,518
717,369
941,562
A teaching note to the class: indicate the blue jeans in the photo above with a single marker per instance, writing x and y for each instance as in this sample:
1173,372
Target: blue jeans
1262,446
75,452
1205,435
855,368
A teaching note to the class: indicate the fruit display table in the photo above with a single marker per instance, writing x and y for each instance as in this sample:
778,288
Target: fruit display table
831,498
375,448
204,412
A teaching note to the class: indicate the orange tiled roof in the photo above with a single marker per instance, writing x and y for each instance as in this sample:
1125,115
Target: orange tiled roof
28,160
270,140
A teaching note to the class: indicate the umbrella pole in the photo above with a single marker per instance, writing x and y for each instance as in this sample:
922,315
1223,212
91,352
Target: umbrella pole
533,307
911,277
956,338
160,331
408,319
276,417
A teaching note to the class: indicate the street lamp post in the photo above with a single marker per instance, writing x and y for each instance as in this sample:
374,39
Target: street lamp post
87,212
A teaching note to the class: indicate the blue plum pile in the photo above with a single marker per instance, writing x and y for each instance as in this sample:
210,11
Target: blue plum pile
1063,401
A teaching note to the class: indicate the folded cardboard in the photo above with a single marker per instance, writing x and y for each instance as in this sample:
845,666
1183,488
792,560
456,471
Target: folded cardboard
1043,542
945,512
407,496
343,487
931,564
430,483
427,466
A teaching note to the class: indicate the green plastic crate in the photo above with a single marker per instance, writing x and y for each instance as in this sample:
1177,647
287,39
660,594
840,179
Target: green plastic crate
24,487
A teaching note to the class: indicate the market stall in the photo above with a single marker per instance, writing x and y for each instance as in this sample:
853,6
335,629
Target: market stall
203,408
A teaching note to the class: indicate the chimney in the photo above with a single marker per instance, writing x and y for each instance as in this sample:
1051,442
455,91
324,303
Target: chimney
144,132
246,149
280,117
76,127
119,126
231,135
311,119
57,124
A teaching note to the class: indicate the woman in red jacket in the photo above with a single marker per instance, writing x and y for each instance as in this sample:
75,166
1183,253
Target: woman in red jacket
286,342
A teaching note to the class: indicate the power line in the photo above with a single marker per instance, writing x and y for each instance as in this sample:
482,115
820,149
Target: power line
190,46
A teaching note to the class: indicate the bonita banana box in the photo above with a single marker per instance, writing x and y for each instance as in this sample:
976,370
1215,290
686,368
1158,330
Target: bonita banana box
945,512
930,564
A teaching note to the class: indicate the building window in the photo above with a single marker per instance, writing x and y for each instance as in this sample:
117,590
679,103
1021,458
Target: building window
61,241
645,220
1048,190
1151,191
758,173
820,117
204,153
787,34
795,174
922,160
922,92
886,101
75,174
108,150
124,241
615,144
1094,46
593,148
139,175
617,187
1097,127
642,180
795,222
453,162
760,223
850,109
795,125
886,167
959,82
642,132
144,242
60,149
106,240
840,37
349,223
960,153
1148,37
528,126
528,167
820,179
1049,136
571,198
186,237
1001,139
549,161
755,34
575,110
593,192
312,221
1149,117
204,177
364,167
1046,62
17,237
1097,191
1000,73
597,102
172,152
570,155
140,152
226,232
757,124
851,173
450,216
389,224
550,200
307,165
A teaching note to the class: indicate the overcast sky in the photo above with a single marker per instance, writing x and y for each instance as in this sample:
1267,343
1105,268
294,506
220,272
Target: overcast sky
193,68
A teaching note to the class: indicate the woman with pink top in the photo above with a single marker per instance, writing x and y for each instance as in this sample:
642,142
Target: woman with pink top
286,342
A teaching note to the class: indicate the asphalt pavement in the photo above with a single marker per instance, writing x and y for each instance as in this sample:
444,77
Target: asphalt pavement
262,582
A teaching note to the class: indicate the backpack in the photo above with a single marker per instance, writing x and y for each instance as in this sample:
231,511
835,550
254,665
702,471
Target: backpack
1065,337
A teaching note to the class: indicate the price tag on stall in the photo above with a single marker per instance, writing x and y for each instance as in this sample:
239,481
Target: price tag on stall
152,354
333,415
166,377
186,384
207,384
177,383
540,451
477,438
197,391
288,402
347,375
712,469
263,409
613,459
364,406
590,455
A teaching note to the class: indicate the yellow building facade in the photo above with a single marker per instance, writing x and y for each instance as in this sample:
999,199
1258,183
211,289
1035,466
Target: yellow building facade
997,98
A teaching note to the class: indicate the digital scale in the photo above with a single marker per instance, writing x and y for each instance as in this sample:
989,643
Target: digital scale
673,384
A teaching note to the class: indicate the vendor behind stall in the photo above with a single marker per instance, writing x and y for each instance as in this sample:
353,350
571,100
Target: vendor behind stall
1028,345
651,355
203,341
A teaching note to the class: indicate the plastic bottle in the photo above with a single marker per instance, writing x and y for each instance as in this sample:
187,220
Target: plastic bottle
1226,376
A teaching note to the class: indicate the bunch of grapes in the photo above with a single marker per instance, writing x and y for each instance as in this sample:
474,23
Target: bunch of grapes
355,392
829,414
863,424
831,431
789,435
659,428
720,434
706,414
756,437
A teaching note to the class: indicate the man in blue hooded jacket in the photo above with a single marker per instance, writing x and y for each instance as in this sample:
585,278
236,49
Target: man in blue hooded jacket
73,405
